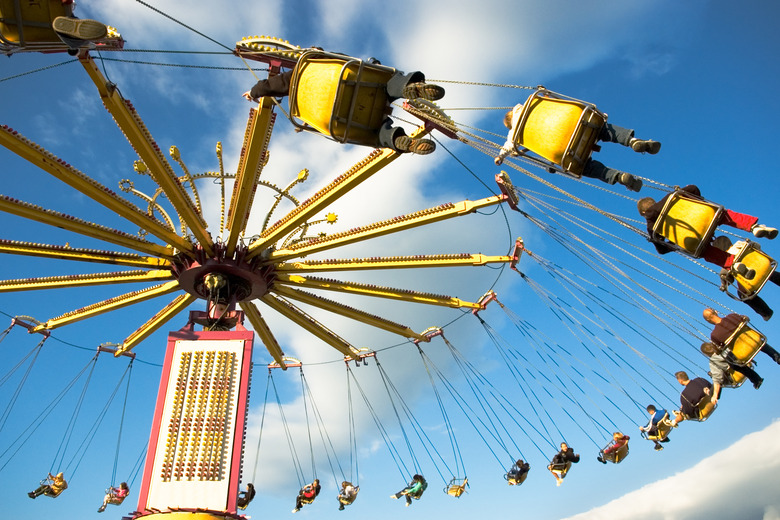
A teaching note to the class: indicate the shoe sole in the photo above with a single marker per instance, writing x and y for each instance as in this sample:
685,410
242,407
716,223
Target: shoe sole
81,29
424,91
405,144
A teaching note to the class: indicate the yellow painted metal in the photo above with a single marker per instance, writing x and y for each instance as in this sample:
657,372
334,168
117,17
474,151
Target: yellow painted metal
391,262
89,187
147,149
385,227
111,304
155,322
262,330
84,280
688,223
349,312
361,171
374,290
250,165
305,321
83,255
60,220
754,258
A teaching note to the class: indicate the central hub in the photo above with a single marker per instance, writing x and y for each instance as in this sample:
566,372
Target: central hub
243,281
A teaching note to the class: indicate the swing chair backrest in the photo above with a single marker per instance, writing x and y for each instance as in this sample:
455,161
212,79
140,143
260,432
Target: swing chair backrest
561,468
688,223
703,410
616,456
342,97
664,426
754,258
24,23
561,130
744,343
516,479
456,487
737,378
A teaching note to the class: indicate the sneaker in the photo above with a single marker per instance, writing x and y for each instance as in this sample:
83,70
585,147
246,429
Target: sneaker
744,271
762,231
80,29
404,143
423,90
758,384
666,439
601,460
295,510
630,182
341,507
658,447
101,508
558,481
31,495
645,146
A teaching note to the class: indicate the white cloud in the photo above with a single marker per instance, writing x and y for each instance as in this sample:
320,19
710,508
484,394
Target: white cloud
738,482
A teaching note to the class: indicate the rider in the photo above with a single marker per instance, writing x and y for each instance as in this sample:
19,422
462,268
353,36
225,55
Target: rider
307,494
347,494
56,484
415,489
115,496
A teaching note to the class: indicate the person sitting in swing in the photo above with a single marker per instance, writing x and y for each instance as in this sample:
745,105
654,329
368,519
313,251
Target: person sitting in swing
347,494
518,471
651,210
399,86
618,441
51,487
719,370
694,392
414,490
115,496
651,429
244,497
307,494
561,462
592,169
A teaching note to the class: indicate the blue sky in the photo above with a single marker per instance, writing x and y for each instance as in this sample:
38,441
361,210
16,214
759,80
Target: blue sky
697,77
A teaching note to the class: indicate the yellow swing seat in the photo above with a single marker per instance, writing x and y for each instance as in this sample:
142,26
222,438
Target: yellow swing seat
344,98
737,378
560,469
25,26
703,410
688,223
561,130
744,343
664,426
514,479
616,456
754,258
456,487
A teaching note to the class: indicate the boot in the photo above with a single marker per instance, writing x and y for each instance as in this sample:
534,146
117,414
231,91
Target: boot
762,231
630,182
404,143
644,145
424,91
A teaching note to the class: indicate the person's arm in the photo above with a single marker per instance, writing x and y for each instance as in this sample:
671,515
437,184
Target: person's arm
506,149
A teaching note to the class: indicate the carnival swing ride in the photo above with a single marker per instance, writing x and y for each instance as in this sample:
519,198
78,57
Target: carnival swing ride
195,453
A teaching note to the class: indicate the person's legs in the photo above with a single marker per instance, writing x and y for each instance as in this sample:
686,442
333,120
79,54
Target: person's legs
748,372
395,138
718,257
769,351
275,86
738,220
397,83
760,307
616,134
597,170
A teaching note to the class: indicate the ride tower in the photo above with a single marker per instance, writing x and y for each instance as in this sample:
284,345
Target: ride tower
196,444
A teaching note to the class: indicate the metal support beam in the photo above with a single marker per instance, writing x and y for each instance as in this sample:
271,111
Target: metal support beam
155,322
348,312
385,227
305,321
361,171
109,305
66,252
76,225
254,153
390,262
147,149
83,280
373,290
264,332
58,168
